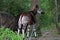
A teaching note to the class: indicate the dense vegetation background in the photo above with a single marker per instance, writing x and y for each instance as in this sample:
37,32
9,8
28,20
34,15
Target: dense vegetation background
15,7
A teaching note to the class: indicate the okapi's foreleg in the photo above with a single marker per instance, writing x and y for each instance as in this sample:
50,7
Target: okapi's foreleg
28,30
34,29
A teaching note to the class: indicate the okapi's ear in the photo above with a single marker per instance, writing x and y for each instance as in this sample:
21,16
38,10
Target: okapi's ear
36,6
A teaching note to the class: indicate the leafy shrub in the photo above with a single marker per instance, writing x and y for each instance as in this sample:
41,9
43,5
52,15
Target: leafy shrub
7,34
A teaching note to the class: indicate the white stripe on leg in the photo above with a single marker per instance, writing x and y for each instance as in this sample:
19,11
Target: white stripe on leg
18,30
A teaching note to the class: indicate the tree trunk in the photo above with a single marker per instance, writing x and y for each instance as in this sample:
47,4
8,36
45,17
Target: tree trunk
56,12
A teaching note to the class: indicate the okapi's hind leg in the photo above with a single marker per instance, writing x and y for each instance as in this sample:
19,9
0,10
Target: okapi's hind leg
19,25
23,30
23,33
20,29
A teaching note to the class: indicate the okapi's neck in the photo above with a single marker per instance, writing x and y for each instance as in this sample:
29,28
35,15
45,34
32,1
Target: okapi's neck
34,12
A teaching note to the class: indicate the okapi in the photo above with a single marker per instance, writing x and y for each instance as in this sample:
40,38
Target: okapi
28,18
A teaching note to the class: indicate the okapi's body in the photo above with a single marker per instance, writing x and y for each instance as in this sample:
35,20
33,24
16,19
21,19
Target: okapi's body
28,18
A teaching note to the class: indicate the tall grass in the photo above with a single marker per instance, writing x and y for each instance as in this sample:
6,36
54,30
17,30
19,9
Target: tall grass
7,34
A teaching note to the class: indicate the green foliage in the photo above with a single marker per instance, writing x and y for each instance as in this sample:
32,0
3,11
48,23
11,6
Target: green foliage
14,6
9,34
49,17
49,8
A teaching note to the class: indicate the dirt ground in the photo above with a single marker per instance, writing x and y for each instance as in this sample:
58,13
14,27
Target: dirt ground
49,35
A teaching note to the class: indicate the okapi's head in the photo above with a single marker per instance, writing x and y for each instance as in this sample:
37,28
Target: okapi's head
37,10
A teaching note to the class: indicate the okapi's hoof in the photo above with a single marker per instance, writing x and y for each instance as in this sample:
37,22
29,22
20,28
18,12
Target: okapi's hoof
35,36
27,37
23,38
